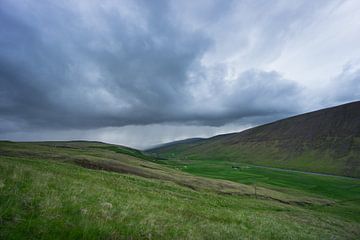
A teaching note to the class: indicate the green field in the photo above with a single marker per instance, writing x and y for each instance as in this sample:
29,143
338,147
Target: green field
345,191
89,190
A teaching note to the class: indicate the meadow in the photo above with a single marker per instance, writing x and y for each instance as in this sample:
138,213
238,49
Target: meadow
89,190
344,191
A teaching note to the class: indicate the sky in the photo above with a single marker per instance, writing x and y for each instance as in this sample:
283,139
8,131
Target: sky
141,73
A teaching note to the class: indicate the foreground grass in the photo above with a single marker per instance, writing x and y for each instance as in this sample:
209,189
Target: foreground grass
43,198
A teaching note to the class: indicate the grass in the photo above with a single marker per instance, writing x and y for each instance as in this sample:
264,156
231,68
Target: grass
344,191
128,151
45,194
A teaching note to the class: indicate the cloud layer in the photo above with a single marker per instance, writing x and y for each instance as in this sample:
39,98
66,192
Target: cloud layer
87,65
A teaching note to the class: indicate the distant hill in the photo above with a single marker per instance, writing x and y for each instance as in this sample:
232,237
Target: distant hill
187,141
325,141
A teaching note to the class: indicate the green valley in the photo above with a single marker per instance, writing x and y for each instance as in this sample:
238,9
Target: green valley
323,141
92,190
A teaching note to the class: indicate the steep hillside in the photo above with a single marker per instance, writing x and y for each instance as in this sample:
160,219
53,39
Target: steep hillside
325,141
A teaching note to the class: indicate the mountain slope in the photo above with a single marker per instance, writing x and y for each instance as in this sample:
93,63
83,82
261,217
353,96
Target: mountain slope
326,141
185,142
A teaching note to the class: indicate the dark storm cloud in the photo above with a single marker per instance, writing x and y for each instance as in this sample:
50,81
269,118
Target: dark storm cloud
95,64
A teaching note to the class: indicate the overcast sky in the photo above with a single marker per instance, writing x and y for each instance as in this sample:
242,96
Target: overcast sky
139,73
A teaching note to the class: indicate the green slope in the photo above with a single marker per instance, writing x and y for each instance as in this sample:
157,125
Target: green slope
324,141
89,190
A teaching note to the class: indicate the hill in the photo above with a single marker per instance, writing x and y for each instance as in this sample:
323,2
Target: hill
93,190
177,143
324,141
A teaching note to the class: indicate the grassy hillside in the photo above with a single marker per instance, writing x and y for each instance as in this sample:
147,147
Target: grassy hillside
325,141
89,190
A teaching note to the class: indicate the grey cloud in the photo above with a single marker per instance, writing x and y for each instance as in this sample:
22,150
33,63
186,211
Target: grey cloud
346,86
73,65
254,97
